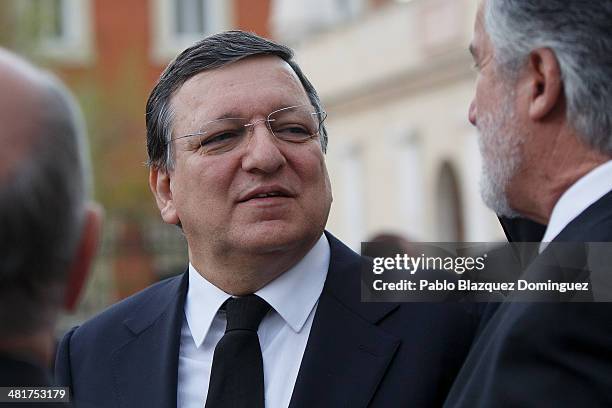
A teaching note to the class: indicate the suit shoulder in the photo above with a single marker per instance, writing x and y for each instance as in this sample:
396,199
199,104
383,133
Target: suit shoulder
155,296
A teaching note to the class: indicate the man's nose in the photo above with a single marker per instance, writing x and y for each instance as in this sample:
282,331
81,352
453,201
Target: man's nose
262,153
472,113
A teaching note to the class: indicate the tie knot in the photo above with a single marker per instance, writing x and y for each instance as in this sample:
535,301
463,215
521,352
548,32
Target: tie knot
245,313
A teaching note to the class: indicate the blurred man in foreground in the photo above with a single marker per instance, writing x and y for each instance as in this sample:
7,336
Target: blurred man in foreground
48,228
542,108
268,311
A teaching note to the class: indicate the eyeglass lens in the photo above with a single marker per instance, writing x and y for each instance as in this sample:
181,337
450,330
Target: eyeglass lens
294,125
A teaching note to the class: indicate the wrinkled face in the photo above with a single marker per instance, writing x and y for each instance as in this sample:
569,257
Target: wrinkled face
492,112
264,194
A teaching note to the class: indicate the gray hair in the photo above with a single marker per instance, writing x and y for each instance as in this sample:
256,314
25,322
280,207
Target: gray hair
212,52
42,201
579,33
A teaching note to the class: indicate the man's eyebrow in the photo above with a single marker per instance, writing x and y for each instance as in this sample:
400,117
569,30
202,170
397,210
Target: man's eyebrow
472,50
233,114
229,115
226,115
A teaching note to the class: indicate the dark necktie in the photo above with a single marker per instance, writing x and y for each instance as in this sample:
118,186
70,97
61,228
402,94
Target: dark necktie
236,377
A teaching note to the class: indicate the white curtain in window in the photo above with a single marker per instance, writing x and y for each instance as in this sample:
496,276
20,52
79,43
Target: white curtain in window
291,20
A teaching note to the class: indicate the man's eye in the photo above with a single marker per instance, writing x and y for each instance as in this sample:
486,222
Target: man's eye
221,138
292,132
294,129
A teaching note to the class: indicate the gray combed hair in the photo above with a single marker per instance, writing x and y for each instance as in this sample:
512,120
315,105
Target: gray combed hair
579,32
42,201
212,52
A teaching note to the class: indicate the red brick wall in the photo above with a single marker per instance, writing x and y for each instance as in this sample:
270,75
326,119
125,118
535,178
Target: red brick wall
253,15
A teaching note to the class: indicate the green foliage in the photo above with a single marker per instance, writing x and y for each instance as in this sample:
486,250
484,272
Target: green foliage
115,117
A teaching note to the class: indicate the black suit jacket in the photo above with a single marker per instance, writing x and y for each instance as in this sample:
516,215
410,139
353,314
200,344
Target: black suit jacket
358,354
544,354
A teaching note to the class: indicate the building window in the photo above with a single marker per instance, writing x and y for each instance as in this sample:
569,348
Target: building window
449,214
294,20
352,190
189,17
179,23
348,9
61,29
51,15
407,153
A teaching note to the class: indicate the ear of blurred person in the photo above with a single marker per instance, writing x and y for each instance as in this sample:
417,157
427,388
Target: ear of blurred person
84,256
49,228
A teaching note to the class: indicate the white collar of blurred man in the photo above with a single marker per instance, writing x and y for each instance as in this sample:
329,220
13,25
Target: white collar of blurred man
238,239
50,229
526,118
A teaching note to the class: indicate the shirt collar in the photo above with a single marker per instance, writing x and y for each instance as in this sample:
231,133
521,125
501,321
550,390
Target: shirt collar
201,305
581,195
293,294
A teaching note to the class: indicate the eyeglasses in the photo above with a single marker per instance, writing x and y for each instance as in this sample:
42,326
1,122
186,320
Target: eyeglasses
293,124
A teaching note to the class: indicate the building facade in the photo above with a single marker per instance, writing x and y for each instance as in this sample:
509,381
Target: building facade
396,81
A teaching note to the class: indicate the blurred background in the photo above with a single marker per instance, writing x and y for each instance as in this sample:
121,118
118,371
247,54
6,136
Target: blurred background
395,78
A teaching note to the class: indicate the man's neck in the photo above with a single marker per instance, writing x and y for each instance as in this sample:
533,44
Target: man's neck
240,273
538,189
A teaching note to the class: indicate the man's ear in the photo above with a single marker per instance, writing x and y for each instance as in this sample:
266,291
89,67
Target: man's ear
545,83
159,182
84,255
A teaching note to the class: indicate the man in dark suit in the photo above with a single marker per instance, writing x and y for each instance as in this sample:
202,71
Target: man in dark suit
542,108
48,230
268,312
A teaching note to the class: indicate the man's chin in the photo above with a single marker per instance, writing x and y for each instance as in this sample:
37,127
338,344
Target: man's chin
494,196
273,236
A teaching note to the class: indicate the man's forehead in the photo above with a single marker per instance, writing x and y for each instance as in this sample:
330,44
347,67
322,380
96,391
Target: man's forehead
480,12
260,78
479,35
250,69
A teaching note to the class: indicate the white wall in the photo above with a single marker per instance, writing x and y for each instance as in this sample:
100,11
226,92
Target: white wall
397,84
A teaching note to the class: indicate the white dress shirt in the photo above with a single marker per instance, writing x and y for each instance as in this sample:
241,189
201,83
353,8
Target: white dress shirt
283,332
581,195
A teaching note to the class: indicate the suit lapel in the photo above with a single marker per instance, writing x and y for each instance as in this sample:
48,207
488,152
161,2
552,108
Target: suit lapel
347,354
145,368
